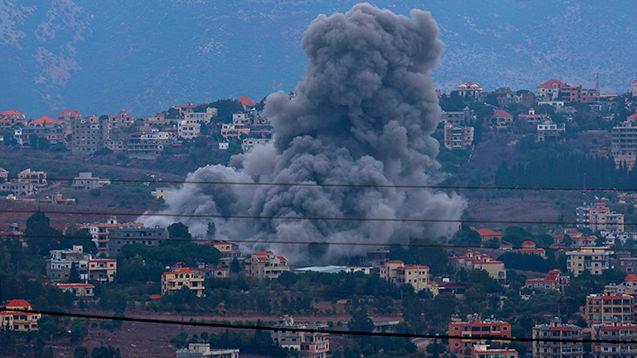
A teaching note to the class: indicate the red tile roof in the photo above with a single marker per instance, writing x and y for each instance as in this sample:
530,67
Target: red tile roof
17,304
501,113
11,112
633,117
69,113
549,84
487,232
246,101
45,120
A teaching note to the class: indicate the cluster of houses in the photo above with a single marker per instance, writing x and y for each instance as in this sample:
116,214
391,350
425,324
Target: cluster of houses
458,127
28,183
142,138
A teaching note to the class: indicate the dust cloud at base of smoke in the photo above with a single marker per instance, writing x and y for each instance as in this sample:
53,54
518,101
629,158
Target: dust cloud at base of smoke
363,114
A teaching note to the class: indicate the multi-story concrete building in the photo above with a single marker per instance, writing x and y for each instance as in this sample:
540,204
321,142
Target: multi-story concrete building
599,217
395,271
36,177
88,135
308,344
201,117
464,117
555,349
595,260
501,119
188,129
549,129
182,277
623,145
16,317
134,235
101,270
265,264
474,327
457,136
249,143
609,308
603,336
474,260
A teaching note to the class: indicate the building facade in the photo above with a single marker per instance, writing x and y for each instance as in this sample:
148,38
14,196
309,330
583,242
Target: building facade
554,331
182,277
595,260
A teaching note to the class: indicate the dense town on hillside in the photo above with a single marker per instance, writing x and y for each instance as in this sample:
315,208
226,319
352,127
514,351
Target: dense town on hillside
572,279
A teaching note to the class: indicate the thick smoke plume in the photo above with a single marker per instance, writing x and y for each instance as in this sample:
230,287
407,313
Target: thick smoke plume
363,114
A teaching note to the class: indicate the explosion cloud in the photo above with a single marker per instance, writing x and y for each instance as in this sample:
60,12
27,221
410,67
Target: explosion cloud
363,114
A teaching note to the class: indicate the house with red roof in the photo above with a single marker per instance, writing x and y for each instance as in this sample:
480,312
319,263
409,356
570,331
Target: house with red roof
530,248
266,264
474,327
44,122
487,234
69,114
501,119
12,117
554,280
472,89
16,317
82,290
182,277
475,260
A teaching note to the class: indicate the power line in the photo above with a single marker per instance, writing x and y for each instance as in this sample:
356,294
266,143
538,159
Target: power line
309,218
318,330
349,185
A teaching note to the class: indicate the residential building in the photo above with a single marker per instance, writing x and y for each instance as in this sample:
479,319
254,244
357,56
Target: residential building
227,249
530,248
134,235
464,117
308,344
265,264
533,117
470,88
395,271
143,146
60,262
474,260
474,327
16,317
101,233
595,260
203,350
189,107
102,270
160,193
37,178
181,277
240,119
599,217
548,129
603,336
18,189
501,119
223,145
68,115
86,180
623,144
485,351
554,331
201,117
609,308
88,135
246,102
121,119
628,287
13,117
487,235
81,290
633,88
188,129
457,136
4,174
231,130
249,143
554,280
624,261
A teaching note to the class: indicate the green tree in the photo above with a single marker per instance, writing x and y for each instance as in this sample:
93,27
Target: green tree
105,352
179,231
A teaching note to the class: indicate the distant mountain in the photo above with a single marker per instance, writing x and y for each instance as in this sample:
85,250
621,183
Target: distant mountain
100,56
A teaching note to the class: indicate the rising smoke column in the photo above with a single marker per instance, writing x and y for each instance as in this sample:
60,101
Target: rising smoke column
363,114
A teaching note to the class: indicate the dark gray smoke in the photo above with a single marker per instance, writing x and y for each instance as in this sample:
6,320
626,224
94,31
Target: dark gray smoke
363,113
